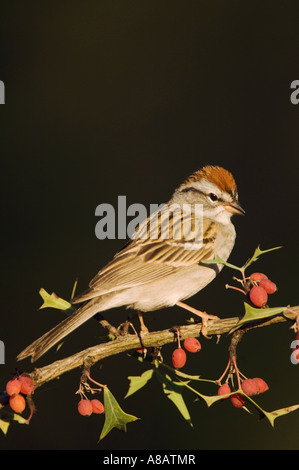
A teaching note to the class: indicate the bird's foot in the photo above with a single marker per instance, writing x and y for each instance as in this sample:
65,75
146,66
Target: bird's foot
205,317
143,332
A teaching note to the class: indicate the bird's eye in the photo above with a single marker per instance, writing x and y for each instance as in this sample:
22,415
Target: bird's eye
213,197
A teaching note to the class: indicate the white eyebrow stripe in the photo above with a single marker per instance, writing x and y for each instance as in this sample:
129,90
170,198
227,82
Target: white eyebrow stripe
207,187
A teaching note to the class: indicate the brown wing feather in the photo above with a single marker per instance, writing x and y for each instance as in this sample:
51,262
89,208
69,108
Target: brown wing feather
144,260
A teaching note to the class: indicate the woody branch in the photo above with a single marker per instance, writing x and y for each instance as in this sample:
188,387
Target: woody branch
127,342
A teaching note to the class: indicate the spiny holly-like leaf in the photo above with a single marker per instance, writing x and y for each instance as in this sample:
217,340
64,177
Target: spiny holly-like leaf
218,260
281,412
137,382
53,301
115,417
174,393
258,252
11,416
209,399
254,314
270,415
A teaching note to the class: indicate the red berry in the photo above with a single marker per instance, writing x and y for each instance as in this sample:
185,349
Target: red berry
141,350
13,387
295,356
268,285
97,407
17,403
250,387
295,353
27,385
179,358
223,390
237,400
192,345
85,407
257,277
263,387
258,296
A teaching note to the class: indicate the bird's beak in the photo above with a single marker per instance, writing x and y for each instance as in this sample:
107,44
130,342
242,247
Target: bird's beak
234,208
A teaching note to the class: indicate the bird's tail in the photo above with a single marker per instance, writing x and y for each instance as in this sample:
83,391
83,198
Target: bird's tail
49,339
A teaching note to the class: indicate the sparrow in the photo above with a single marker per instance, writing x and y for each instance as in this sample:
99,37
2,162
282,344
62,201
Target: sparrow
154,272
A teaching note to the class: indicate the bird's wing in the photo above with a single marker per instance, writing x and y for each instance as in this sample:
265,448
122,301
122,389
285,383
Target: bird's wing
146,258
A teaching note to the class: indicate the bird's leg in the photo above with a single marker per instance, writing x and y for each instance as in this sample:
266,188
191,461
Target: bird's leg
199,313
143,328
204,316
143,332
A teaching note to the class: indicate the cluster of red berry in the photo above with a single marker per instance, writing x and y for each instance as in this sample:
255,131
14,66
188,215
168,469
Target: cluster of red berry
87,407
260,287
179,356
249,386
16,389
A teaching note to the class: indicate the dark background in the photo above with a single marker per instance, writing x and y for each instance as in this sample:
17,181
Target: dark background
108,98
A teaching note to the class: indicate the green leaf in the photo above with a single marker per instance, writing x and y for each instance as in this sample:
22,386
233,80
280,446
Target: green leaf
53,301
184,375
255,314
4,425
19,418
258,252
174,393
74,289
137,382
115,417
